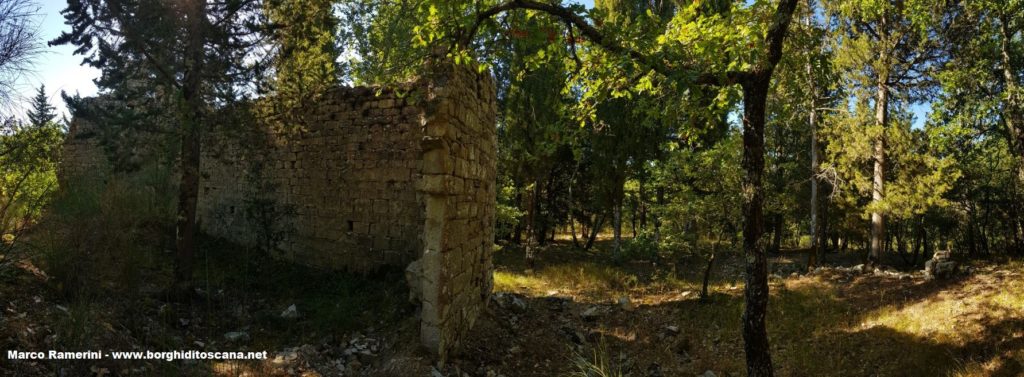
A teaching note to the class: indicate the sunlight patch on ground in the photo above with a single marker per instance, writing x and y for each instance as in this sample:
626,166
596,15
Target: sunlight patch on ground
961,315
584,280
590,282
986,310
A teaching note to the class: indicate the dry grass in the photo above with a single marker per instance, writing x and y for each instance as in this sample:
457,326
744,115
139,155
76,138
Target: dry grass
586,281
831,325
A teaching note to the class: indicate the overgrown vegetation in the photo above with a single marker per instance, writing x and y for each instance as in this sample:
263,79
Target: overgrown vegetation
648,150
29,154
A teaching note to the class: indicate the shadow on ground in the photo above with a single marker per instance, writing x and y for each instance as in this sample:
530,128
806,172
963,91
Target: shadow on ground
823,325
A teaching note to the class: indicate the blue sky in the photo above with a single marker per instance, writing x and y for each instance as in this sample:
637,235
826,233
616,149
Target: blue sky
59,69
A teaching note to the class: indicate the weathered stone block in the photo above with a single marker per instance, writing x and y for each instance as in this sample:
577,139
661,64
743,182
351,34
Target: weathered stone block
379,177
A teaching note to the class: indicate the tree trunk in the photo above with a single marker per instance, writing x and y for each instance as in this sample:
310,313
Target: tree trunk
777,226
660,199
593,232
531,223
824,229
707,271
971,238
643,206
1012,114
918,242
547,228
755,334
878,182
617,225
188,187
517,233
927,244
572,230
817,253
188,192
572,218
632,219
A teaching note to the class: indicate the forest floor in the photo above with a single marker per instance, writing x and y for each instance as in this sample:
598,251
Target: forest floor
833,322
573,309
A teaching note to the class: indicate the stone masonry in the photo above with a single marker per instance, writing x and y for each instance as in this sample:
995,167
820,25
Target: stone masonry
81,147
400,176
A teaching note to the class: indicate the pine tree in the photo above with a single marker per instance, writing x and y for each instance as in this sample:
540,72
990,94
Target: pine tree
195,49
42,111
304,59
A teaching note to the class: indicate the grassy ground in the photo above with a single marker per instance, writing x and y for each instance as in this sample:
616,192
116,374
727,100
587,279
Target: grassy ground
832,323
828,324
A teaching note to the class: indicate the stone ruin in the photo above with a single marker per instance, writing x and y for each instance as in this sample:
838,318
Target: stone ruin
941,265
399,176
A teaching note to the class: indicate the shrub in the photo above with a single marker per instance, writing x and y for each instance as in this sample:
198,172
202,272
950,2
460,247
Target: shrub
28,179
507,214
599,364
643,247
106,229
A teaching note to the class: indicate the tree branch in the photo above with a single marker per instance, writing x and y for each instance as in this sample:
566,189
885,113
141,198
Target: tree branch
773,40
588,31
776,35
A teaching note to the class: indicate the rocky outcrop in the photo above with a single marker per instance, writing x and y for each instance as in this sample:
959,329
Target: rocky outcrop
941,265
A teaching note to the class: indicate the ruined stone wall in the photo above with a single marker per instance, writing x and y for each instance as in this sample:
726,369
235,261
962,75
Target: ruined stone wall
377,177
338,191
82,157
373,177
459,171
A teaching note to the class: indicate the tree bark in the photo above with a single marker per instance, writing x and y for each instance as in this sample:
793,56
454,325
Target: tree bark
188,192
572,230
817,254
617,224
643,206
755,334
632,219
517,232
707,271
188,187
593,232
531,223
777,226
878,181
572,205
660,199
1011,114
755,293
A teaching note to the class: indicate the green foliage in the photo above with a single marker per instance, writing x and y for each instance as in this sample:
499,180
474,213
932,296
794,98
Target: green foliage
381,39
507,214
196,51
42,112
917,179
892,42
134,130
106,231
643,247
702,191
305,53
28,173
